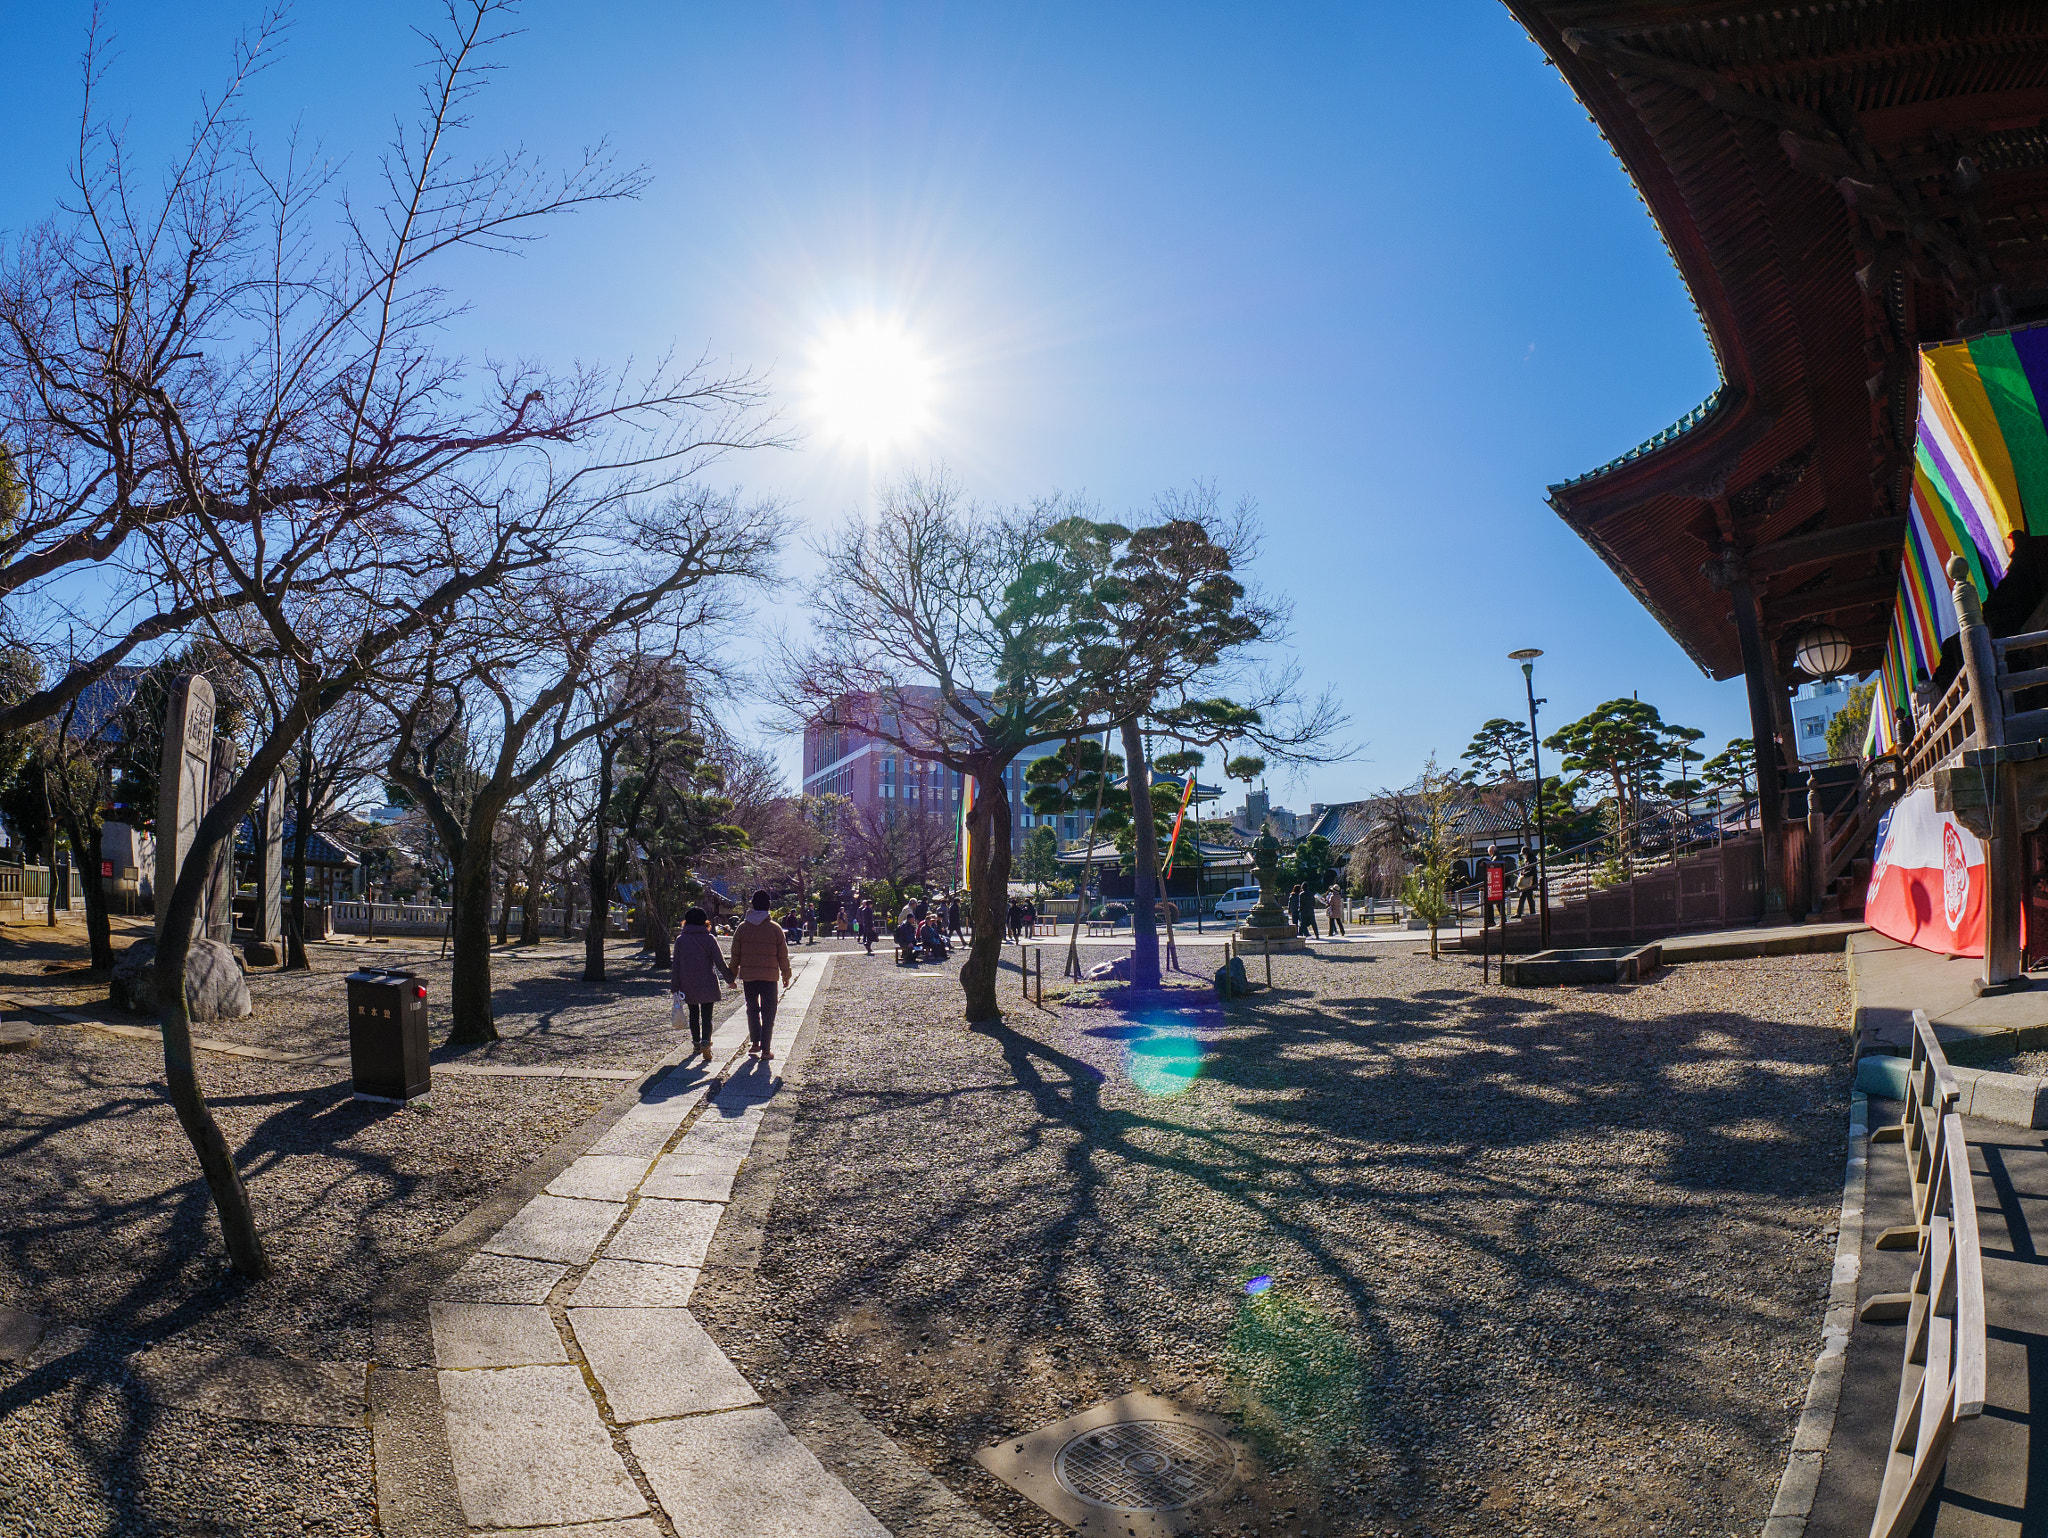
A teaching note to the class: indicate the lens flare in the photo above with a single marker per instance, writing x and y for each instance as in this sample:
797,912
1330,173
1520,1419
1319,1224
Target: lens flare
871,385
1258,1284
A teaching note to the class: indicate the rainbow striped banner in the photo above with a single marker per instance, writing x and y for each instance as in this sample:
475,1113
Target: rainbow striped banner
965,835
1980,477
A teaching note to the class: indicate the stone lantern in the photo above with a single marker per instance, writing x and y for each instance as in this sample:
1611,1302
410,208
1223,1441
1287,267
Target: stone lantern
1267,925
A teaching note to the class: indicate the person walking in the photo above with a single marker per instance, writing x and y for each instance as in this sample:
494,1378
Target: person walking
695,965
1333,906
1493,912
868,928
953,928
1525,886
760,950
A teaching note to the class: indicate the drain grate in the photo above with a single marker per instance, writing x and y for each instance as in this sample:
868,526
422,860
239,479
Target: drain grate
1137,1466
1145,1465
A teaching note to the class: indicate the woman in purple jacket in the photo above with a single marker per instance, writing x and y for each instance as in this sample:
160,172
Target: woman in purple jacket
695,964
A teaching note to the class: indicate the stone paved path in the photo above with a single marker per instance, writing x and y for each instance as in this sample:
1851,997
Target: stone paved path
577,1387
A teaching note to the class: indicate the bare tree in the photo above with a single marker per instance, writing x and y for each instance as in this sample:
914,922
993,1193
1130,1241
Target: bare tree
572,661
963,637
248,425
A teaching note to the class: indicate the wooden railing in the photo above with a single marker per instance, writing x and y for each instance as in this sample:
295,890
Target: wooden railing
2020,725
1851,834
1942,733
1941,1378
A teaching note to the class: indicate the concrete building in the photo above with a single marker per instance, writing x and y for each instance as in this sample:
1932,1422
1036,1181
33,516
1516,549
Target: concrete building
1813,707
879,777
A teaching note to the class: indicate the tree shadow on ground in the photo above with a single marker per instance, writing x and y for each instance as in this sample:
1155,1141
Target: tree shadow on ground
1493,1199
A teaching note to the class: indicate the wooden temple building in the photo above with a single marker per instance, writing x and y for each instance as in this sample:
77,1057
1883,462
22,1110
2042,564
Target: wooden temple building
1839,184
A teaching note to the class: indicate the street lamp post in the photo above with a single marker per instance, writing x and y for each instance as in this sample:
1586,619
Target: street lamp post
1527,657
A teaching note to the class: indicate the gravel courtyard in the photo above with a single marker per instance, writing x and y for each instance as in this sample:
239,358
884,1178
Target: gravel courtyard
1543,1262
105,1228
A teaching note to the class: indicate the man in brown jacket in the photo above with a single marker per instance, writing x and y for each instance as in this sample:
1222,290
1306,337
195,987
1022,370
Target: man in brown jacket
759,952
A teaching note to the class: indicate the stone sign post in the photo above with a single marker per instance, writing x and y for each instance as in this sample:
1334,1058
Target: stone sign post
220,891
266,946
197,772
183,786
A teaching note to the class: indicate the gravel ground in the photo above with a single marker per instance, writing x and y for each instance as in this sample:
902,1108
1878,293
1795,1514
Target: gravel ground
104,1224
1543,1262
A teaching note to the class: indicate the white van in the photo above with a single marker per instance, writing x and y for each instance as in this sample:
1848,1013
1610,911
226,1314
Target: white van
1237,902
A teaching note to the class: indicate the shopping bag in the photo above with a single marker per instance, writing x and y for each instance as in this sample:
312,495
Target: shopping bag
679,1012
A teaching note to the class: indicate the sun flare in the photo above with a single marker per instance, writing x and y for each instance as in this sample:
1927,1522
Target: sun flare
871,387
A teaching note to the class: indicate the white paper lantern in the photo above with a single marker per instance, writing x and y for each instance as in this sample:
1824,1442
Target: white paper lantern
1823,651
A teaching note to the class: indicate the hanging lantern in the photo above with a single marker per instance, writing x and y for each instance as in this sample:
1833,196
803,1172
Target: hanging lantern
1822,651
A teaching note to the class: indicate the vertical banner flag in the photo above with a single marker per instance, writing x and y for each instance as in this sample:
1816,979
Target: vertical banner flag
965,838
1186,795
1980,476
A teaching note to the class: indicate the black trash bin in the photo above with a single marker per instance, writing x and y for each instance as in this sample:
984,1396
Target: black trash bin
387,1036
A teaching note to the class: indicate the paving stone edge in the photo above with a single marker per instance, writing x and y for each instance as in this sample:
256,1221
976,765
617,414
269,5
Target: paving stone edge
902,1493
414,1471
1792,1506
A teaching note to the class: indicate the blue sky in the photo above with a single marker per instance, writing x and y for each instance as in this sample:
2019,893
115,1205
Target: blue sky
1368,264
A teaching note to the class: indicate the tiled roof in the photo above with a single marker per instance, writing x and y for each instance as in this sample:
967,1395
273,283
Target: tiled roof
320,849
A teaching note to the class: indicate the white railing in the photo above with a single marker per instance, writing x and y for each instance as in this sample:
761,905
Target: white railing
354,915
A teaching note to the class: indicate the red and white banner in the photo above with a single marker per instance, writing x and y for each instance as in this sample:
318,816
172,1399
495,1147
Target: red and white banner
1927,886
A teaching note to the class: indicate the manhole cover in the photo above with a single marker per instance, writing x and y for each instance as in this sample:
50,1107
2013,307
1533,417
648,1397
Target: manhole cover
1145,1465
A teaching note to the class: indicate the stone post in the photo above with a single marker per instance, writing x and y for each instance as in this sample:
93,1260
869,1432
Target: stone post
220,899
265,947
183,784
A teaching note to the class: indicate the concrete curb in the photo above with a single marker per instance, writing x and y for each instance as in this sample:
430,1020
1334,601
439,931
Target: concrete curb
1793,1504
2012,1099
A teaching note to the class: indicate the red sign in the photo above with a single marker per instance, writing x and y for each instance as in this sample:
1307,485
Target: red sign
1496,883
106,867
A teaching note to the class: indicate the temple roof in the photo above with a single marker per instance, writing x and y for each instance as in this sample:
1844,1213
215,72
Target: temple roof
1838,184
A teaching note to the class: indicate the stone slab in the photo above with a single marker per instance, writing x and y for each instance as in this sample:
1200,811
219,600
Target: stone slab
647,1127
20,1333
280,1390
600,1177
668,1233
529,1450
18,1036
487,1278
743,1475
656,1362
494,1335
634,1284
632,1527
679,1177
556,1228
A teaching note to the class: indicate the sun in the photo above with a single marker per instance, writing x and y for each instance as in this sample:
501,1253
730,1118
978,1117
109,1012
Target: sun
870,384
